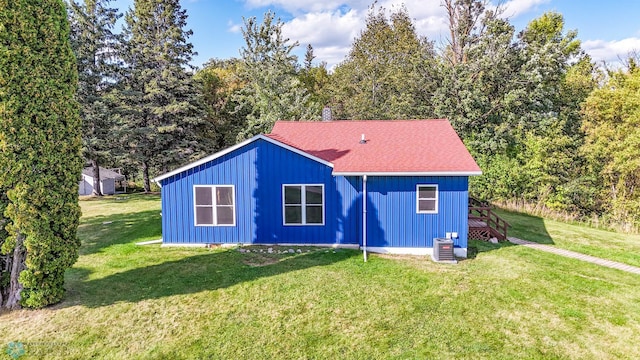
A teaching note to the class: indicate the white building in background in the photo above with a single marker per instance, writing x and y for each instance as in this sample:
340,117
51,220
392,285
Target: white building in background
108,179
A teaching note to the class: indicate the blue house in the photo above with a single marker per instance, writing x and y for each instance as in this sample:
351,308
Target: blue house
389,186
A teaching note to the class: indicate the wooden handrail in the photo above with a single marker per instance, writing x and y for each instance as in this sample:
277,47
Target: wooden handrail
493,221
477,203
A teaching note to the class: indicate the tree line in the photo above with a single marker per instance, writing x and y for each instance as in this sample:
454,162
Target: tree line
532,106
547,126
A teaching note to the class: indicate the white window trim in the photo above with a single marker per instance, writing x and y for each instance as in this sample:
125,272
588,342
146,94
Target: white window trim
214,205
303,204
437,199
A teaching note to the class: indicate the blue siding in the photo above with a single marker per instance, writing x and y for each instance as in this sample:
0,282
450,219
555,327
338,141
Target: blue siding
177,199
392,219
258,171
349,193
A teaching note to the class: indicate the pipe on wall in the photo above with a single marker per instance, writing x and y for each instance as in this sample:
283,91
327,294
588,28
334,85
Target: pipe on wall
364,217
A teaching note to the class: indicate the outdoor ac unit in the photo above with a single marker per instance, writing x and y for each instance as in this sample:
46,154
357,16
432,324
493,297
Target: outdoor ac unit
443,250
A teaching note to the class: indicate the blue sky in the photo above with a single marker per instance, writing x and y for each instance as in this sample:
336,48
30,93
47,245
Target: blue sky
608,29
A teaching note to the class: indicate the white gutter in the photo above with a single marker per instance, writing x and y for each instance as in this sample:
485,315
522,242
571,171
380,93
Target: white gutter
364,216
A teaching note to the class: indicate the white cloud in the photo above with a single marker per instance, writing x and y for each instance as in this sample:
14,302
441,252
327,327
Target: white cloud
332,26
325,28
611,51
303,6
233,27
429,17
332,29
330,33
332,55
515,8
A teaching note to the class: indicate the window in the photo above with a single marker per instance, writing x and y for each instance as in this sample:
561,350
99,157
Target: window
427,199
214,205
303,204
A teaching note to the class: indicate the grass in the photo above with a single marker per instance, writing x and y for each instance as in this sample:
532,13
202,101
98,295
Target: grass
148,302
624,248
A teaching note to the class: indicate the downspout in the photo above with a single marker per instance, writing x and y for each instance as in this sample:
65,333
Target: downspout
364,216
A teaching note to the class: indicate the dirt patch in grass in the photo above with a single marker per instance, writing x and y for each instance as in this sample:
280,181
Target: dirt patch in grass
260,255
256,260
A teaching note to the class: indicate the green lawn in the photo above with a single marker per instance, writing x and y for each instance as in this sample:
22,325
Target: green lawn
507,302
609,245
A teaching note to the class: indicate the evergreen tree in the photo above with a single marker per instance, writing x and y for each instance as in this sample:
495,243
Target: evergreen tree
308,57
94,44
162,114
272,89
40,162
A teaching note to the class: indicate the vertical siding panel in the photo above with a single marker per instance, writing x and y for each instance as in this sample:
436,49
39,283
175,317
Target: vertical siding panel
187,202
348,191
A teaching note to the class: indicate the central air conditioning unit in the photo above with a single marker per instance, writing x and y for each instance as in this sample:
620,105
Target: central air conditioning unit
443,250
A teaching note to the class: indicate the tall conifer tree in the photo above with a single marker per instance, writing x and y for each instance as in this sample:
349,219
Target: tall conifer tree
95,45
163,114
40,158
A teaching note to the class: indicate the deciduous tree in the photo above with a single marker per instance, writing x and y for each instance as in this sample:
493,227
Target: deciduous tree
612,127
389,72
269,71
221,85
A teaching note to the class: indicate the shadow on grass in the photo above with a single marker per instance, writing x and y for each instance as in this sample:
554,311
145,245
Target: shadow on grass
203,272
523,226
100,231
476,247
526,227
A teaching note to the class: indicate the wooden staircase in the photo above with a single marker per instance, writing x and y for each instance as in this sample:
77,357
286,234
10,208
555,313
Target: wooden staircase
484,224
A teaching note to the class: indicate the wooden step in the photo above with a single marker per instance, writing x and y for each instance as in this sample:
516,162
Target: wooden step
485,224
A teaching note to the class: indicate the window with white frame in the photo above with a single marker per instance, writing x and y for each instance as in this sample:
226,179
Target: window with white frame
214,205
303,204
427,199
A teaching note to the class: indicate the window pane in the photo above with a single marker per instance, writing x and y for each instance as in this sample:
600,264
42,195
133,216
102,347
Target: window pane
314,195
293,214
224,195
314,214
292,195
204,216
427,205
224,215
203,196
427,192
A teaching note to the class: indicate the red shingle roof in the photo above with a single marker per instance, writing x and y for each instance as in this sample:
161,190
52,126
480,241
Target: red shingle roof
392,146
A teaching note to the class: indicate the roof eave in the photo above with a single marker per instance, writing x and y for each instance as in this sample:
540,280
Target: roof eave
407,173
236,147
